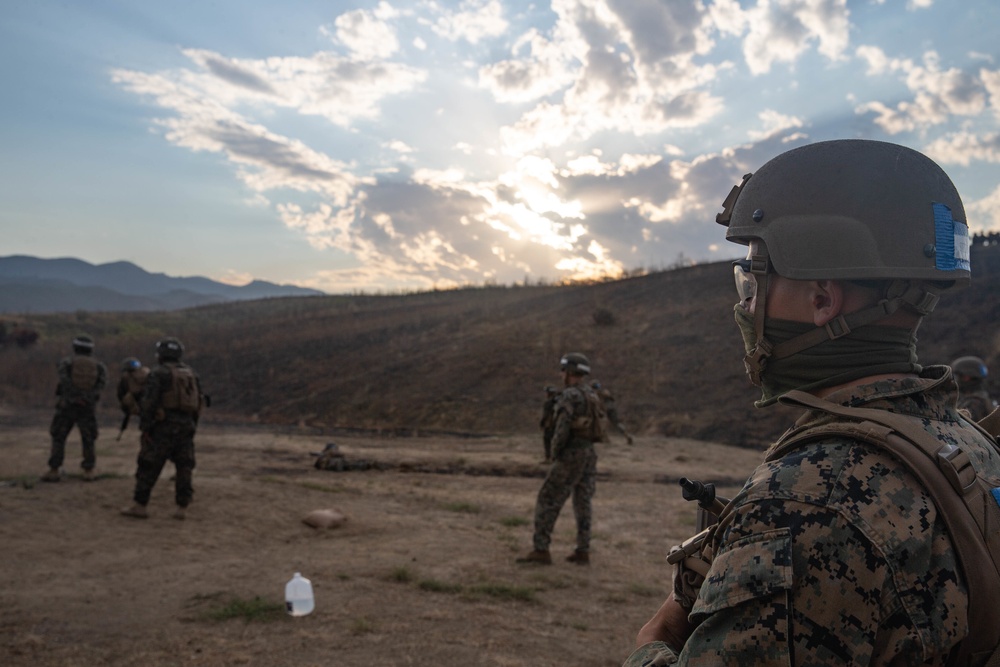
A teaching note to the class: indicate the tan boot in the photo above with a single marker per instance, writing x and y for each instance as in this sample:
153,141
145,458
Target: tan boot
179,513
135,510
89,475
537,557
579,557
52,475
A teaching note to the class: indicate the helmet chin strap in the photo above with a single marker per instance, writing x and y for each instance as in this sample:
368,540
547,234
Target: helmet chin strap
920,297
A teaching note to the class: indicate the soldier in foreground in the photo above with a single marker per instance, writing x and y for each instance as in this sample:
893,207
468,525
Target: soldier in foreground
578,425
833,553
81,379
611,409
970,374
168,417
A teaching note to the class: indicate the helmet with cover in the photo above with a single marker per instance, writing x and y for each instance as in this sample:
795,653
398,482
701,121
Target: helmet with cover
575,364
83,344
169,349
853,209
972,368
131,364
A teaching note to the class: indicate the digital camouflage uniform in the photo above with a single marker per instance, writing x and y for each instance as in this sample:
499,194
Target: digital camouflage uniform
76,406
977,402
837,555
574,469
129,390
167,435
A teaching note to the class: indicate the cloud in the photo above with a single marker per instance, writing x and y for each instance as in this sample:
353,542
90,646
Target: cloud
964,148
938,94
365,35
781,30
474,22
626,67
984,214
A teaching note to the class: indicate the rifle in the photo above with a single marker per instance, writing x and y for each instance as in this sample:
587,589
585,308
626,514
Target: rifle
690,564
124,425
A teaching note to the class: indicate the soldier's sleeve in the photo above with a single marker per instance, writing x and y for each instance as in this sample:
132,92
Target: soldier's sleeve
564,411
102,377
150,400
65,380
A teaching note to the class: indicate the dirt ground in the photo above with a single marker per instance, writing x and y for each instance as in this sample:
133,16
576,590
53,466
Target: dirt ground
422,572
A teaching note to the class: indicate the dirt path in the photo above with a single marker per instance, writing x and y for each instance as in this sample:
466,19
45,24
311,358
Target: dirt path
422,573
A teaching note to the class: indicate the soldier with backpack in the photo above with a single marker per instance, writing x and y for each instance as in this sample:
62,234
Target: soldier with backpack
129,391
870,535
81,379
579,423
168,417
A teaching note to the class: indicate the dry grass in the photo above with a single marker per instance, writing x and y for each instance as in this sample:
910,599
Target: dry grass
422,573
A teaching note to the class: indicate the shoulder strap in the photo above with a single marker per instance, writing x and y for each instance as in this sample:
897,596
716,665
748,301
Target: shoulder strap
958,492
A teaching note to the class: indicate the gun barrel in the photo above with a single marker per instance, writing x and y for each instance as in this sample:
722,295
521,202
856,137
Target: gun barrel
703,493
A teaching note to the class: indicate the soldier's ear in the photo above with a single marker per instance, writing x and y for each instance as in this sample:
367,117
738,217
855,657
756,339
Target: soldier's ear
827,299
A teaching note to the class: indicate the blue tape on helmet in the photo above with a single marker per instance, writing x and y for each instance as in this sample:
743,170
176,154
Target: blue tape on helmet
951,240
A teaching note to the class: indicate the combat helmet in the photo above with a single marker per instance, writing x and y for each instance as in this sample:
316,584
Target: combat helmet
970,367
131,364
575,363
853,210
83,344
169,349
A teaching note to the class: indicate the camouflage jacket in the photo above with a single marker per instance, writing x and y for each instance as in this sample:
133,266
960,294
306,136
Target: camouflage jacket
836,554
70,393
575,419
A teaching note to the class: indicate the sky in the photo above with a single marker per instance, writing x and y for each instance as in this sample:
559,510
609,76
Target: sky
404,145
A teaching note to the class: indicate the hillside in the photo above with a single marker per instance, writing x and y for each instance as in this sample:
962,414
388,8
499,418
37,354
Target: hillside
475,360
35,285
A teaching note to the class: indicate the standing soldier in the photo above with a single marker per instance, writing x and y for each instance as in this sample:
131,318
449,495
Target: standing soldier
868,535
130,386
970,375
81,379
548,423
579,424
610,409
168,417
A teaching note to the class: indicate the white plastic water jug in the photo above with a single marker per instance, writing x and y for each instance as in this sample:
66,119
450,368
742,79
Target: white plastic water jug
299,596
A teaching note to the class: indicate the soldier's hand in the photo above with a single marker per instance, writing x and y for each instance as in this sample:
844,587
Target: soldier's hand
669,624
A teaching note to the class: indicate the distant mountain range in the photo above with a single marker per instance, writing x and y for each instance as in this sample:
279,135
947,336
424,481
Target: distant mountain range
35,285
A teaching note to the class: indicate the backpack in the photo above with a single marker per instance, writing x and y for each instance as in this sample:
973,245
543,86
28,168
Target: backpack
83,372
591,426
183,394
135,381
966,501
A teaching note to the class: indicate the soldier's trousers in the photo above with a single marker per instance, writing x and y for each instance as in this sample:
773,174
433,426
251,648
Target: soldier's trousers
67,416
573,473
166,442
